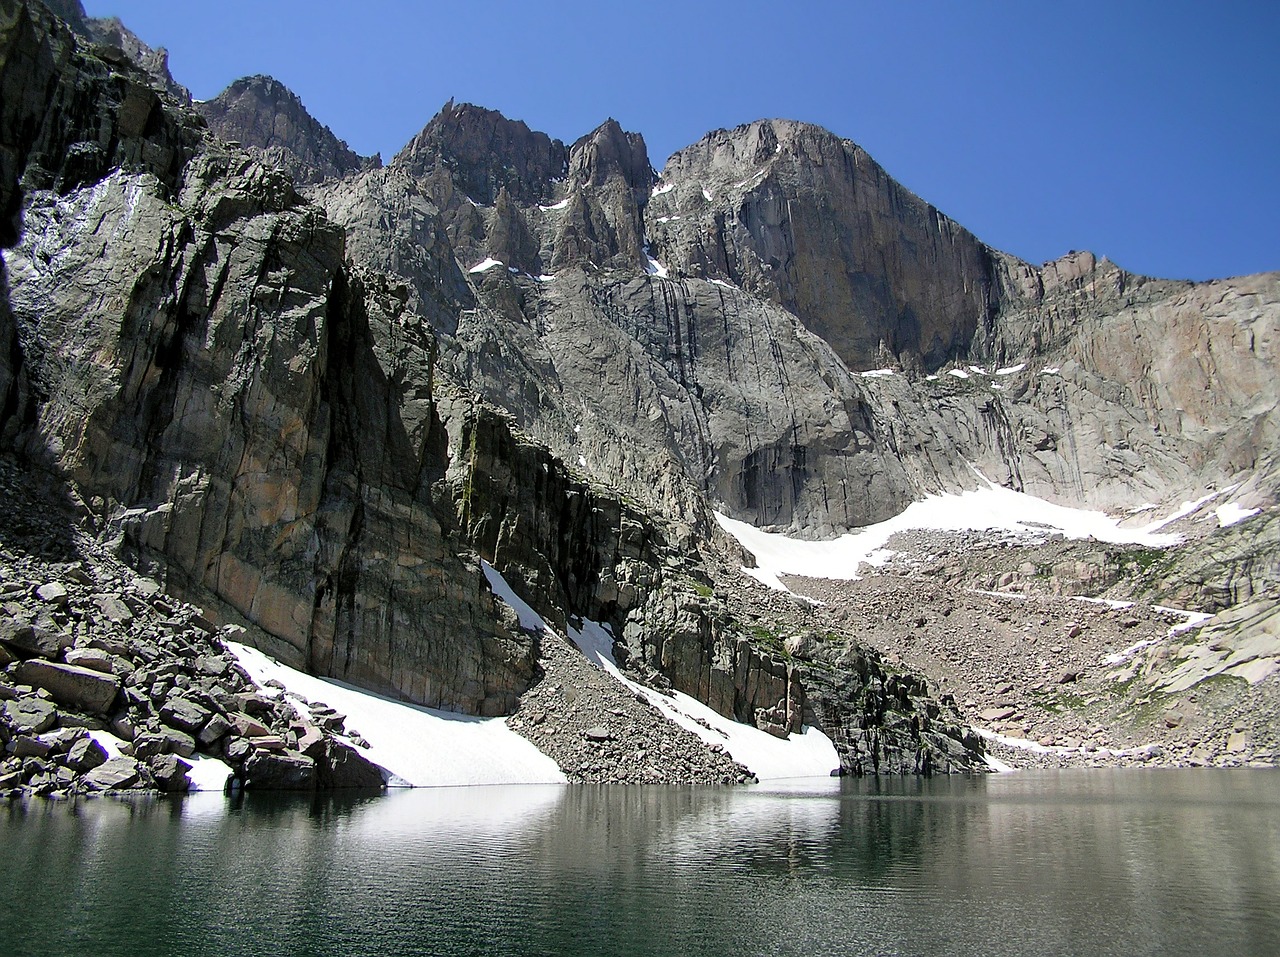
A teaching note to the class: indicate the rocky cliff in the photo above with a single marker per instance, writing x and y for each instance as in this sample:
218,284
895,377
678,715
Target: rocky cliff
313,392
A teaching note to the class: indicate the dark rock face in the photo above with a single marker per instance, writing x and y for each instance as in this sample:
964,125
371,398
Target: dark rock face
119,40
265,116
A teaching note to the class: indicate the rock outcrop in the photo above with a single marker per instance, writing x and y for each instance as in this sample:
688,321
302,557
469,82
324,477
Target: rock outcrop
224,404
266,117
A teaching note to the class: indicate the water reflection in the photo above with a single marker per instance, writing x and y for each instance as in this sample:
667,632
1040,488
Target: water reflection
1124,863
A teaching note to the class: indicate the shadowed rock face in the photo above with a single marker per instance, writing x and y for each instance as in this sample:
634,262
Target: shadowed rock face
265,116
223,404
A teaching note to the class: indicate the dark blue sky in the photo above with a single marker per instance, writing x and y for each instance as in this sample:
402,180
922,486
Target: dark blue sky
1148,132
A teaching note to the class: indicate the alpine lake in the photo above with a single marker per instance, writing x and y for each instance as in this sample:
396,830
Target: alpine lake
1080,863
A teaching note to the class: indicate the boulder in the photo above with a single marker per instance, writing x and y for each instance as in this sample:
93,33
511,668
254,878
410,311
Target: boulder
85,755
24,640
71,686
29,746
184,714
345,767
248,727
55,593
170,773
216,727
178,742
279,771
114,775
236,750
31,714
95,659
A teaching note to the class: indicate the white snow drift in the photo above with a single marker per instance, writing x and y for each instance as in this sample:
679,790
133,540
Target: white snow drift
421,747
992,507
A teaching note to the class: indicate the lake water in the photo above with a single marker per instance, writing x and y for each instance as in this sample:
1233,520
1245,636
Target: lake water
1079,863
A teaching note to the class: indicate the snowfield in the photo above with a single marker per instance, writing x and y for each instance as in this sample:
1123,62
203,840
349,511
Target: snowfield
421,747
990,508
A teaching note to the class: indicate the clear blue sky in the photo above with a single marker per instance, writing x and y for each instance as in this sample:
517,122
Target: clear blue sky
1148,132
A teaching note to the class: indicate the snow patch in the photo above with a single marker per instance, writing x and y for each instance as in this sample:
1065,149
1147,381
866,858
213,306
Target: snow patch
545,277
485,265
1187,508
721,282
653,267
420,747
1051,370
958,373
560,205
1011,370
993,507
1231,513
707,196
877,373
664,188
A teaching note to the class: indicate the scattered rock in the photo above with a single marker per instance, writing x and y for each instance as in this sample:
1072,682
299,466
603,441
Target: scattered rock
71,686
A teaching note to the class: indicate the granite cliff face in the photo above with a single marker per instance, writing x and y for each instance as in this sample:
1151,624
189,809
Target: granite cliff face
312,392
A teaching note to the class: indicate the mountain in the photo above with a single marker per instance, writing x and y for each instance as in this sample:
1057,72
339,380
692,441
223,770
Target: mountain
314,394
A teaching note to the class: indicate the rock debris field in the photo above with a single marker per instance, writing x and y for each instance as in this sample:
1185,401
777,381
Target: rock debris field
1049,680
108,684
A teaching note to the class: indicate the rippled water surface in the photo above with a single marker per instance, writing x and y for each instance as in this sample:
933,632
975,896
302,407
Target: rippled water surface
1075,863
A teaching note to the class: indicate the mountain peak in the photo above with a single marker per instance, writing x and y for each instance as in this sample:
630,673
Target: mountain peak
266,116
485,152
608,150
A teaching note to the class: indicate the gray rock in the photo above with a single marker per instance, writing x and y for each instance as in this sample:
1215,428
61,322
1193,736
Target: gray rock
31,714
92,658
345,767
184,714
213,731
178,742
85,755
72,687
115,610
29,746
264,115
25,640
279,771
55,593
117,774
170,773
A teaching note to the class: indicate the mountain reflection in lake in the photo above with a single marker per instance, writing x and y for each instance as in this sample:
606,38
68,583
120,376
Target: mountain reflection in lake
1091,862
